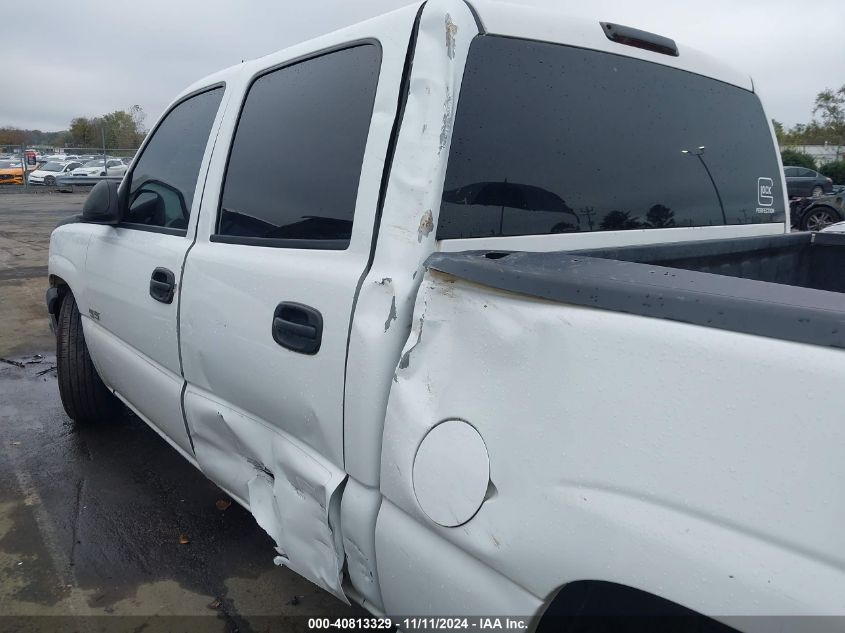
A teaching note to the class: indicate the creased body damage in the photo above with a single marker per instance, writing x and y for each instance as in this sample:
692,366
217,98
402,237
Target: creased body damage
293,492
610,459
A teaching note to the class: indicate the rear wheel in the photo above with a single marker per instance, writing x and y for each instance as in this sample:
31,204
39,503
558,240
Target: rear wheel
819,217
84,396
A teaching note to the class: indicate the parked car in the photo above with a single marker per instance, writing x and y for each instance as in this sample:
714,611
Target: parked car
11,172
813,214
113,167
801,182
46,174
393,354
831,211
817,213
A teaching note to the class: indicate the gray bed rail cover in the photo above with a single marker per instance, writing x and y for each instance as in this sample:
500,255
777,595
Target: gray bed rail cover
723,301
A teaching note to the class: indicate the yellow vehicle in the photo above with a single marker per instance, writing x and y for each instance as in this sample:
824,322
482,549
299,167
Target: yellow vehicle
11,172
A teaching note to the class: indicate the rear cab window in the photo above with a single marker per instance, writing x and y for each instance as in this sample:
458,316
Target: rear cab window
555,139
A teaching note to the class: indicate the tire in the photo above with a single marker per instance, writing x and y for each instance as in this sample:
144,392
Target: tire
84,396
49,181
816,218
817,191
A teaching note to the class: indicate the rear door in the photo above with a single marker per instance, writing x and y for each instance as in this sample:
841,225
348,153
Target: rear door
133,269
269,294
270,284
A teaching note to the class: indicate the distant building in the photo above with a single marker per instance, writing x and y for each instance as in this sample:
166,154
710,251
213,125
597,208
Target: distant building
820,153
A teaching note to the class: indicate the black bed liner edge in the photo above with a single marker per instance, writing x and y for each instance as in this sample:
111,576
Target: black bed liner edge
750,306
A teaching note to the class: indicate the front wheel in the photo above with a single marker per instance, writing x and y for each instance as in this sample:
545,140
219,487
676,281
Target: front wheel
84,396
819,217
50,181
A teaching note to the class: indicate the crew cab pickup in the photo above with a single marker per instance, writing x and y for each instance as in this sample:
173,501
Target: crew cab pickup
514,325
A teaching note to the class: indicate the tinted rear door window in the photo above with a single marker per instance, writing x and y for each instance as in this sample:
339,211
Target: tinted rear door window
296,157
552,139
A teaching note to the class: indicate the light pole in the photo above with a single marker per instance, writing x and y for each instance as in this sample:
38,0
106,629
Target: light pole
103,134
698,154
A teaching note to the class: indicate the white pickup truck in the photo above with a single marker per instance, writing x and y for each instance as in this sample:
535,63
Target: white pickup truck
389,350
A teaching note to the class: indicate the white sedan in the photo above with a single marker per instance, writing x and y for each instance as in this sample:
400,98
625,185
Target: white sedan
46,174
113,167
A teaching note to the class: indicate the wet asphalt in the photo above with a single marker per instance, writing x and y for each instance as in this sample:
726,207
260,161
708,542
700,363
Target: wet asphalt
106,527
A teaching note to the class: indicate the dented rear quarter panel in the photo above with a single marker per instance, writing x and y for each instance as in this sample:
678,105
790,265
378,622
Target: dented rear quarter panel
672,458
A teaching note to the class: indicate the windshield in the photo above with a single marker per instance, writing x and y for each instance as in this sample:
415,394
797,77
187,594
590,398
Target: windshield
555,139
94,163
52,167
5,164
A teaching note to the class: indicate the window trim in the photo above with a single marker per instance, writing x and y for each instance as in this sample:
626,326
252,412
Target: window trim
270,242
275,242
151,228
123,190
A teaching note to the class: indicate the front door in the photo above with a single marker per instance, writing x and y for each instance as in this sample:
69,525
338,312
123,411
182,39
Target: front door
133,270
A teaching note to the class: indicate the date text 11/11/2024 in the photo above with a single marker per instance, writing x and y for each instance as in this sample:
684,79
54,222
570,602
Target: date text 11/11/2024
416,623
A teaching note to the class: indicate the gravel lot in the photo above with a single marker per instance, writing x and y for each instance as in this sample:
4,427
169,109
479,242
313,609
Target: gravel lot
91,519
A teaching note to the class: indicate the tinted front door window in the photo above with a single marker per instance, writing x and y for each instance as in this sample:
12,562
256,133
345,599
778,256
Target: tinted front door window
162,184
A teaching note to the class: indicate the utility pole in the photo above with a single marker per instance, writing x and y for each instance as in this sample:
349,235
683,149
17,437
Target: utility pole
103,133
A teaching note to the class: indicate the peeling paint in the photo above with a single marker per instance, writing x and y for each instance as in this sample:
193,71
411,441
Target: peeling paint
391,317
384,281
405,360
447,121
426,226
451,32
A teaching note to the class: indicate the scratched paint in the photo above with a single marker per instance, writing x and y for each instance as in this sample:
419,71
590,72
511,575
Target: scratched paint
451,32
426,226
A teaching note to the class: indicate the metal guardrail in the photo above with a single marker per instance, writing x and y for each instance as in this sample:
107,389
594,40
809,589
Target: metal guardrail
83,181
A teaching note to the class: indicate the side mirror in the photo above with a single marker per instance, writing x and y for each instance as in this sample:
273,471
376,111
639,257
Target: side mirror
102,206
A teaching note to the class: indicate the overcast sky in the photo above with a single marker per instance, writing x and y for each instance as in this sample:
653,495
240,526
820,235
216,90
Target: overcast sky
66,59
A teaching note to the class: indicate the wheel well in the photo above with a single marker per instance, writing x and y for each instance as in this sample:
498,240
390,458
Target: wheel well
62,286
600,605
818,207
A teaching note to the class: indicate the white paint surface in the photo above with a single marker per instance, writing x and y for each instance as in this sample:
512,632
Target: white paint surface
451,473
669,457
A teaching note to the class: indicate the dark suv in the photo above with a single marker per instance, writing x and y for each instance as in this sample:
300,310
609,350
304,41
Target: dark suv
802,182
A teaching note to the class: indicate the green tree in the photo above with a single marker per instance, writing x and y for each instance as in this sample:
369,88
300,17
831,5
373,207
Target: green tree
835,171
797,159
12,136
84,132
830,106
779,131
121,129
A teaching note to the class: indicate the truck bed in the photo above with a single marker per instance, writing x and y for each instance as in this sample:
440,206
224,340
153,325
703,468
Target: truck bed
786,286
